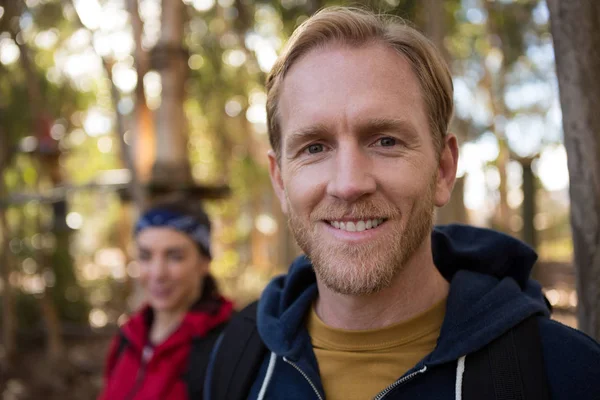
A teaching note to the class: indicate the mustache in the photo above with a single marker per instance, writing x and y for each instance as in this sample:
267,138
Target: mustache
360,210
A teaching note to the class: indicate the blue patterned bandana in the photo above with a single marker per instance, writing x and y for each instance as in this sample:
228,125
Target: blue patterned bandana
187,224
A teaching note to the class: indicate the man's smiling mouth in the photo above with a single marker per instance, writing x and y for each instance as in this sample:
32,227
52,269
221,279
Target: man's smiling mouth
358,225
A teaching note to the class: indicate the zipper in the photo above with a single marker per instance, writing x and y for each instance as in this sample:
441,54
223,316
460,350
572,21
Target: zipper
305,377
138,382
400,381
146,356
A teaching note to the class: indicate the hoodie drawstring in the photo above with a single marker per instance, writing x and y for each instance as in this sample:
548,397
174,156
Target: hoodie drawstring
460,371
268,376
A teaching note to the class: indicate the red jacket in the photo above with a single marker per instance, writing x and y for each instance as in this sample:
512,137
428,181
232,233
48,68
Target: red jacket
157,375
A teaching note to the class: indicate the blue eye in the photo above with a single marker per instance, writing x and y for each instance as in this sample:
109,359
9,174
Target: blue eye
315,148
387,142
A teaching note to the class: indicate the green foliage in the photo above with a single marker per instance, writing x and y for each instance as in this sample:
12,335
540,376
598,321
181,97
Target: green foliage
509,22
29,312
27,97
225,89
48,15
67,294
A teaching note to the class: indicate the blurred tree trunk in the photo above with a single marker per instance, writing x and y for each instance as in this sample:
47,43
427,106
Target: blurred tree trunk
137,155
171,167
9,320
529,206
495,88
136,190
143,144
528,212
49,165
436,30
55,347
494,82
503,215
576,35
435,25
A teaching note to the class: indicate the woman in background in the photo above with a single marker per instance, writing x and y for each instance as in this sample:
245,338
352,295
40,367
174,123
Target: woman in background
161,352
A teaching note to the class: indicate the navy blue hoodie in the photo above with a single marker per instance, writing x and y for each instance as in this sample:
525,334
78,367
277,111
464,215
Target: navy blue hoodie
490,292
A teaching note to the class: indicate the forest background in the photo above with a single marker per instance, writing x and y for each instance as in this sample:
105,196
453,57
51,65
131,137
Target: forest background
107,105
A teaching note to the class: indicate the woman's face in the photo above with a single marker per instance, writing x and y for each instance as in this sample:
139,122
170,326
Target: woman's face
171,268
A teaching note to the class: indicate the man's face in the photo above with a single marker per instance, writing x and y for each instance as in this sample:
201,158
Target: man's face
358,175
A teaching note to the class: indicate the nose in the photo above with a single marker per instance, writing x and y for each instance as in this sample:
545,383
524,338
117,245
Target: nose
158,269
352,177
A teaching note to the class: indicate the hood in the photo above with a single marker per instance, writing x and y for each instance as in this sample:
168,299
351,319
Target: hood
490,292
462,247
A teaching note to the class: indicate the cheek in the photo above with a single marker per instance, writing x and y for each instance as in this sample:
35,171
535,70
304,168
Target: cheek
144,275
405,189
305,187
187,275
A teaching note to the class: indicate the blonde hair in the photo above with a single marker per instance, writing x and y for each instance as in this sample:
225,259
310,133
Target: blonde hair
356,27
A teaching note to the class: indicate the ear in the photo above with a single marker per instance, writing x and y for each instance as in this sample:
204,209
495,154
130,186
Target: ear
276,181
448,163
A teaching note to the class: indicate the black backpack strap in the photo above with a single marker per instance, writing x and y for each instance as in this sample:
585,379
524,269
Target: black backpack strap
200,351
509,368
123,343
238,358
116,352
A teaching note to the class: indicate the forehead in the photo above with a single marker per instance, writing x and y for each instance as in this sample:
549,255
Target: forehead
346,84
157,238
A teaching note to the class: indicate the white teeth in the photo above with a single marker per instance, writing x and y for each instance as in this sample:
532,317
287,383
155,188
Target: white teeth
360,226
357,226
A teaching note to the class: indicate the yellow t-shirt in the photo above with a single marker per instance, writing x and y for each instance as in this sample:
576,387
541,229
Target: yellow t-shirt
360,364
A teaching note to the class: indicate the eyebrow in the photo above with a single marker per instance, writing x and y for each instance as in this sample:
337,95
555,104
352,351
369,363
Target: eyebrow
387,125
305,134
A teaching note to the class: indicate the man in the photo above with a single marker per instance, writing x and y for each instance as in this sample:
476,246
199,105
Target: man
358,112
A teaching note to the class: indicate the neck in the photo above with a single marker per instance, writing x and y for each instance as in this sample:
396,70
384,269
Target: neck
165,323
415,288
